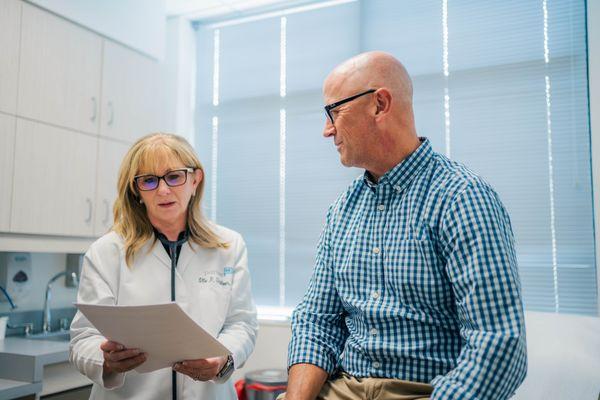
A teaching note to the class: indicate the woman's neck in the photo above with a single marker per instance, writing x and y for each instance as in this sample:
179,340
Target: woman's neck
171,229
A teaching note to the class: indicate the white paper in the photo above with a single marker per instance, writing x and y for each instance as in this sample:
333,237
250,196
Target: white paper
163,331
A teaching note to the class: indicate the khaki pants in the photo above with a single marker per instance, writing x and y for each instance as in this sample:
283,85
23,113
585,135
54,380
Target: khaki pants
347,387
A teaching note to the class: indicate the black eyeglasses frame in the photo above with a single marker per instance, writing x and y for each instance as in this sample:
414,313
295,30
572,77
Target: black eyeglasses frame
331,106
186,169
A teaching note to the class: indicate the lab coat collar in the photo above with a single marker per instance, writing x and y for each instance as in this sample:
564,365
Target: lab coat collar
185,256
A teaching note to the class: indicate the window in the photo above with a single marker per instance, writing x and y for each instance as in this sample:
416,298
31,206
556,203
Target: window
499,86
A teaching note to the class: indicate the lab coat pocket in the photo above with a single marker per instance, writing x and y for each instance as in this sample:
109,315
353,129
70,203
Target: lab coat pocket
214,295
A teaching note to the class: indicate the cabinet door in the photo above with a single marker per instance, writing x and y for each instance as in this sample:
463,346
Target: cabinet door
110,155
59,79
10,28
132,90
54,181
7,148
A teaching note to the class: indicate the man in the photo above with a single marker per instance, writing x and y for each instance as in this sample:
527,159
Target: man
415,292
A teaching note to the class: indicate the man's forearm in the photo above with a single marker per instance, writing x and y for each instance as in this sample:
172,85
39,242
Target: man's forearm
305,382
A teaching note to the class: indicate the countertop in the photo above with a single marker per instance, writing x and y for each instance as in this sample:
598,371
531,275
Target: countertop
22,363
23,359
10,389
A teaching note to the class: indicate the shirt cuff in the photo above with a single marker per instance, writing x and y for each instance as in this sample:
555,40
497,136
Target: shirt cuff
319,360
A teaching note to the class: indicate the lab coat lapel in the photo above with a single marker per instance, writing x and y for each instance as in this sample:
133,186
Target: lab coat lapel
186,255
159,252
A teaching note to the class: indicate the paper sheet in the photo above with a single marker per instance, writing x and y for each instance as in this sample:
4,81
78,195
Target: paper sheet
163,331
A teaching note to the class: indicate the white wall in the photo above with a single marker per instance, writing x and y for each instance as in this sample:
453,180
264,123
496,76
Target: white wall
43,267
271,348
139,24
593,17
180,65
563,353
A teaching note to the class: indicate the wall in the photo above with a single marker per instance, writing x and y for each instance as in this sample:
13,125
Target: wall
594,96
271,348
563,353
139,24
180,65
44,266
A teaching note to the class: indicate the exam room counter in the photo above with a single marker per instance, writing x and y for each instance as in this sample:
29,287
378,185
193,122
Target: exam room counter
36,367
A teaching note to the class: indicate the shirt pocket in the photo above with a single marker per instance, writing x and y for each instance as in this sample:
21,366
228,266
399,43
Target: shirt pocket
414,273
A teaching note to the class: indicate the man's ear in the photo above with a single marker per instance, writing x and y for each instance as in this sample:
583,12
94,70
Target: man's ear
383,99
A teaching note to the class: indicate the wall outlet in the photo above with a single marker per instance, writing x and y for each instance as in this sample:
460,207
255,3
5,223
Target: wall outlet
15,274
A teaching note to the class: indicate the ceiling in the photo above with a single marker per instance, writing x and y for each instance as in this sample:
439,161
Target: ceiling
212,9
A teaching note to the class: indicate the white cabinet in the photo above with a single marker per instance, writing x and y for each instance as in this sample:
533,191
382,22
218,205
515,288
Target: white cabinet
54,181
110,155
60,66
71,103
132,92
7,146
10,29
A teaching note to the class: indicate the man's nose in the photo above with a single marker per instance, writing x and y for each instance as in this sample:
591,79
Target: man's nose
329,128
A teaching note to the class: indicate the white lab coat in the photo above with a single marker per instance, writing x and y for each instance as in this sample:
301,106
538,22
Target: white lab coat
227,310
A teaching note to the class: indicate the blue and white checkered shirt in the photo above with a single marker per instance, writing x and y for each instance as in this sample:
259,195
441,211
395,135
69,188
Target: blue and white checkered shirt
416,279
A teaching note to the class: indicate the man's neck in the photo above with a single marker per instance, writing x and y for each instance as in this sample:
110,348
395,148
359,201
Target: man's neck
392,156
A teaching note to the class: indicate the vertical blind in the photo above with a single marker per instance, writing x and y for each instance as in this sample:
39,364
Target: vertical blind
499,86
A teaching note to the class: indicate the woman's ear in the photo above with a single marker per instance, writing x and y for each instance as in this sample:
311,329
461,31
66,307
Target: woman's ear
198,176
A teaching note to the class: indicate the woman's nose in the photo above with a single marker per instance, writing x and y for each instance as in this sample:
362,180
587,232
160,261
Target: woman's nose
163,188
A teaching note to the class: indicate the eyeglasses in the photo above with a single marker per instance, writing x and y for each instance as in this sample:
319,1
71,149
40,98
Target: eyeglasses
331,106
174,178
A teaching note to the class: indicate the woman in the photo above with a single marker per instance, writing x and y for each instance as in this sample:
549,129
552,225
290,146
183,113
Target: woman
158,226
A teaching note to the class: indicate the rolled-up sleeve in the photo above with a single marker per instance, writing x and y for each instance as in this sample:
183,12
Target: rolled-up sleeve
478,248
318,328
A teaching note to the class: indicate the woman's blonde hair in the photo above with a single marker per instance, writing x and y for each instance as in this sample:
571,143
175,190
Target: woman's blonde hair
130,218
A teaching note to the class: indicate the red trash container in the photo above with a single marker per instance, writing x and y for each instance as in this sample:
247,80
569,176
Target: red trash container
265,384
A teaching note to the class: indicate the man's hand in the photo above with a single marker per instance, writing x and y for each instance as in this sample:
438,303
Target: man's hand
201,370
119,359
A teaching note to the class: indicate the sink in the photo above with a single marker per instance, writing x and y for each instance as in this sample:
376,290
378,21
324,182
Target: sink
58,336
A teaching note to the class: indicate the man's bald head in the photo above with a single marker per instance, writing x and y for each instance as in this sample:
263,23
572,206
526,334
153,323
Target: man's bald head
374,130
371,70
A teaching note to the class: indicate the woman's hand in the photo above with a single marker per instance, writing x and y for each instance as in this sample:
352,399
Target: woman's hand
119,359
201,370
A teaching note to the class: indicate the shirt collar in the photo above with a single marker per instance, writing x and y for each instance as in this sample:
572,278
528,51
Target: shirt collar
406,170
161,237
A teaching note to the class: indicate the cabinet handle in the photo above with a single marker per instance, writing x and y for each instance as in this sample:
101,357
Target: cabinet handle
111,114
89,203
94,107
106,209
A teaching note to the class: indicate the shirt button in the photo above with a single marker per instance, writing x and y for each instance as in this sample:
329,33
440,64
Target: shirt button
375,295
397,188
376,364
381,207
373,331
376,250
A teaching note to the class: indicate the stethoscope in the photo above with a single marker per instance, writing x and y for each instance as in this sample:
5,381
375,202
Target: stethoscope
172,245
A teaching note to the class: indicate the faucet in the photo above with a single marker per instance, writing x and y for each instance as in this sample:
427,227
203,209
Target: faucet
47,315
27,326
